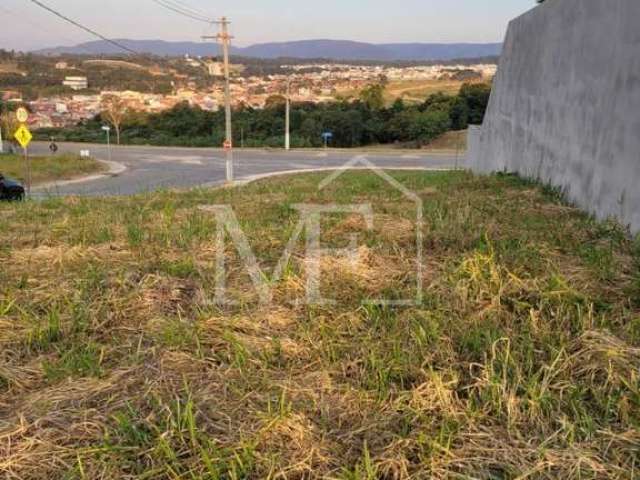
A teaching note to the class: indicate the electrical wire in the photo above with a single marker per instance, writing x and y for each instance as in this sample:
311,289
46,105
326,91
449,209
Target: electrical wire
39,26
184,11
86,29
187,8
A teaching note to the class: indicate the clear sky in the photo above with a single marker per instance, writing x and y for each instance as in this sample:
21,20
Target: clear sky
25,26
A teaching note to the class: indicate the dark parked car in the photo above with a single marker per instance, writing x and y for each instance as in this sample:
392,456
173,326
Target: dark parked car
10,189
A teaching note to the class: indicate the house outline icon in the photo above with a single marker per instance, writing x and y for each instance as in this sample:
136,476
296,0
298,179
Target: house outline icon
361,162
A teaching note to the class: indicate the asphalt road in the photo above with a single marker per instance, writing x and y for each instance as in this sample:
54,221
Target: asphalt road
153,168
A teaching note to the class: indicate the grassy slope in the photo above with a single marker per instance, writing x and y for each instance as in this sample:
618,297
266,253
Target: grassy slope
47,169
523,360
450,141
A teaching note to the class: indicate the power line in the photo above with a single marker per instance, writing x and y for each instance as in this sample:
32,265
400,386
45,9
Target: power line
37,25
183,10
186,7
86,29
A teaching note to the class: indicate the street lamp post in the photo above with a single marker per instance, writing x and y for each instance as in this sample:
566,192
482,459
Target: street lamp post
107,129
287,121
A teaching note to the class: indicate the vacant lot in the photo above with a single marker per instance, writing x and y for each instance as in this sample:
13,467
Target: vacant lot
48,169
417,91
10,68
521,362
413,91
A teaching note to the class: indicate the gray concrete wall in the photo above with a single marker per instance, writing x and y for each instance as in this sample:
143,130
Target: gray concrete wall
565,107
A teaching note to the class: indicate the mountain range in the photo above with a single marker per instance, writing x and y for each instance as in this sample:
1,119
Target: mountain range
305,49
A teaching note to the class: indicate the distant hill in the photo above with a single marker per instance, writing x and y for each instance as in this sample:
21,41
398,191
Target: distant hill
305,49
339,49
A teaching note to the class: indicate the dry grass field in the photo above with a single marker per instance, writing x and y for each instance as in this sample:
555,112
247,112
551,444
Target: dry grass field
413,91
48,169
521,362
416,91
10,68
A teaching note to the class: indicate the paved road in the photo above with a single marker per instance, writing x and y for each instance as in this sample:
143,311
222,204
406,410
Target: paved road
152,168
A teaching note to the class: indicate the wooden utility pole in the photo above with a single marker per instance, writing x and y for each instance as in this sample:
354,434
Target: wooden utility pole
225,40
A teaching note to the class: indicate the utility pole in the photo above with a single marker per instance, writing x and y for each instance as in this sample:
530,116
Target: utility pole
287,119
225,39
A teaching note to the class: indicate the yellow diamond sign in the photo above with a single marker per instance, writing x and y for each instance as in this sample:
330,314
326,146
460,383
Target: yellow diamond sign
23,135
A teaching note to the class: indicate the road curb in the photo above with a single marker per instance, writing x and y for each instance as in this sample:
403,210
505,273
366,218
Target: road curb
113,170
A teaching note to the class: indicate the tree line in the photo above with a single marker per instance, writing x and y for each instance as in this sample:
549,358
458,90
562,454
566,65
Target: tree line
365,121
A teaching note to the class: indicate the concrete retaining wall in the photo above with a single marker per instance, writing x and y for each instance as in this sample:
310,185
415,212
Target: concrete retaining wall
565,107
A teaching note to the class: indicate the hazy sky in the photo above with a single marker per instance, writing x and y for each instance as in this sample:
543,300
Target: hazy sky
24,26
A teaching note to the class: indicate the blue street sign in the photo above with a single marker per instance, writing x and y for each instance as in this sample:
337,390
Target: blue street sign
327,135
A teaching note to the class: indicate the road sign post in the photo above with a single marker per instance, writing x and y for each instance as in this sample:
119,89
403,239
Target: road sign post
24,137
28,163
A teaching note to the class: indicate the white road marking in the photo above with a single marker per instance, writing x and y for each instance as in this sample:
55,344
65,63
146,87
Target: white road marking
190,160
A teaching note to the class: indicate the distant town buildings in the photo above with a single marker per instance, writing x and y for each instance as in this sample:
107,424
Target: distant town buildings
76,83
61,111
216,69
315,83
192,62
11,96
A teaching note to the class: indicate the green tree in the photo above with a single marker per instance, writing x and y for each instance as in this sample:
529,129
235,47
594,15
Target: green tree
373,96
398,105
353,123
440,102
311,129
114,110
8,121
459,114
426,126
476,96
275,100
